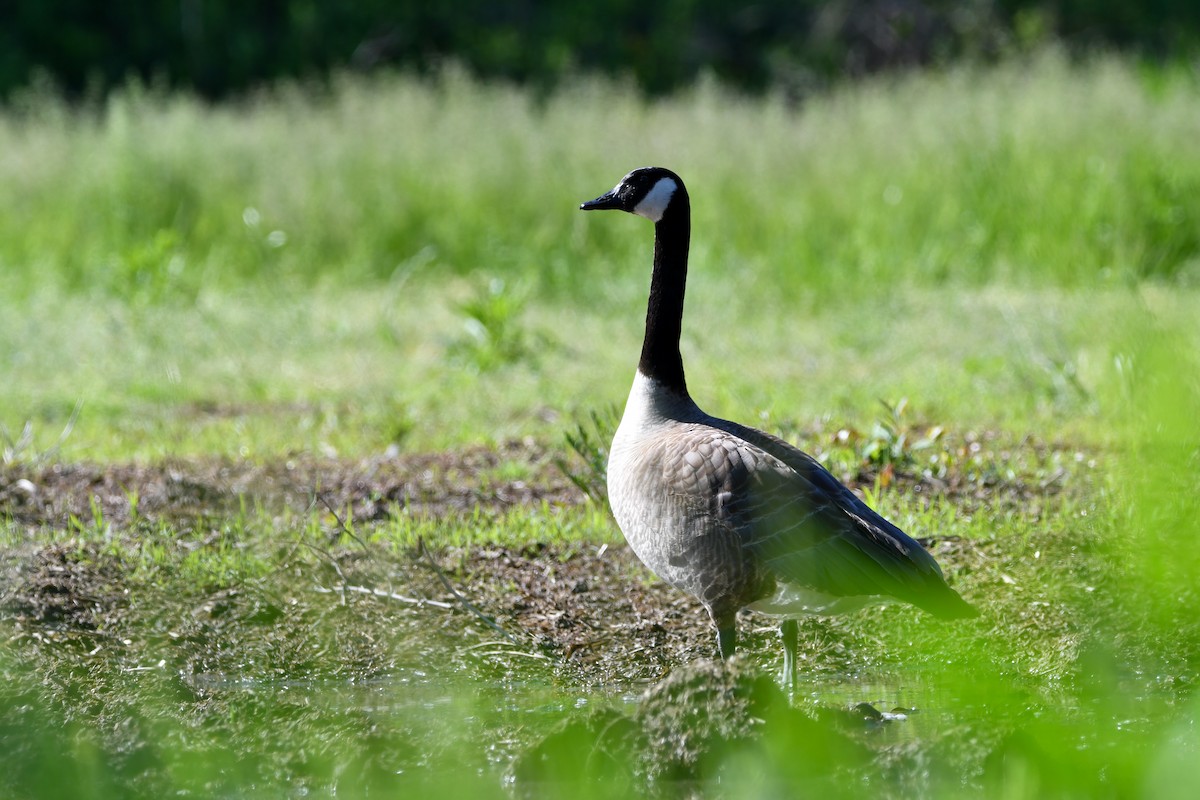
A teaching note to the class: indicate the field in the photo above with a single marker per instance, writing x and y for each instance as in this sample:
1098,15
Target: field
289,503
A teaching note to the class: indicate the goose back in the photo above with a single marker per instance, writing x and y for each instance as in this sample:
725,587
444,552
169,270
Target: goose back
737,517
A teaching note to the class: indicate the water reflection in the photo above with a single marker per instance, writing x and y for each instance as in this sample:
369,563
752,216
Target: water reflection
945,725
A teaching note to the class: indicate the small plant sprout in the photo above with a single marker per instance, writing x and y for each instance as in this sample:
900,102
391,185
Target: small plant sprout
893,441
495,335
133,497
590,443
20,449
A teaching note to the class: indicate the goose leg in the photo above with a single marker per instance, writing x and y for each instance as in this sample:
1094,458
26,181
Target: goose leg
726,636
789,631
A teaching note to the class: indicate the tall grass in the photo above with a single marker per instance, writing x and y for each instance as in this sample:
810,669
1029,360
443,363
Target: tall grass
198,275
1041,171
1009,248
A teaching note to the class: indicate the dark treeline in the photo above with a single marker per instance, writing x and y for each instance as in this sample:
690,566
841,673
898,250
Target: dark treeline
217,47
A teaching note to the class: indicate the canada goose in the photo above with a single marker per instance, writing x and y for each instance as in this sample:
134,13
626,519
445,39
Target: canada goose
732,515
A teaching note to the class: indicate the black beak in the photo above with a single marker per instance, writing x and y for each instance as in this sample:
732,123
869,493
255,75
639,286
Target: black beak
605,201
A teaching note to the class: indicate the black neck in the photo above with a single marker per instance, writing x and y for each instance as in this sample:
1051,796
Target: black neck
664,313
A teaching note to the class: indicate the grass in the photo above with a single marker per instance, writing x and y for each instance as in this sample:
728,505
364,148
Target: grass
1038,171
220,377
237,316
193,274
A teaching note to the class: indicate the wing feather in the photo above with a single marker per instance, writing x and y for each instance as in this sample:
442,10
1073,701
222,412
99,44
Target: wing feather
800,521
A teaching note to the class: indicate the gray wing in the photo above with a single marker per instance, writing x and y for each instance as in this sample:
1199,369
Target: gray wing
809,529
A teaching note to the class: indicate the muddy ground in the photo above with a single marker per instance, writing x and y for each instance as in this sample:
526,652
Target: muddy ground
94,626
592,608
437,484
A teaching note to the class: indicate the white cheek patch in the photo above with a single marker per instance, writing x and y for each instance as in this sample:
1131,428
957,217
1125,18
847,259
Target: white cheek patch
656,200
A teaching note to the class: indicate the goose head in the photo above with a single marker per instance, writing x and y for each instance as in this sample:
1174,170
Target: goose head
650,192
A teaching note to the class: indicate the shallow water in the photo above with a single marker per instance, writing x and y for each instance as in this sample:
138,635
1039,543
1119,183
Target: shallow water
457,722
448,731
921,704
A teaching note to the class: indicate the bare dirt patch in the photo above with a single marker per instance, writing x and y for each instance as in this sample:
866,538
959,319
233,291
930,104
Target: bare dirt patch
370,489
62,592
591,610
987,471
210,629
